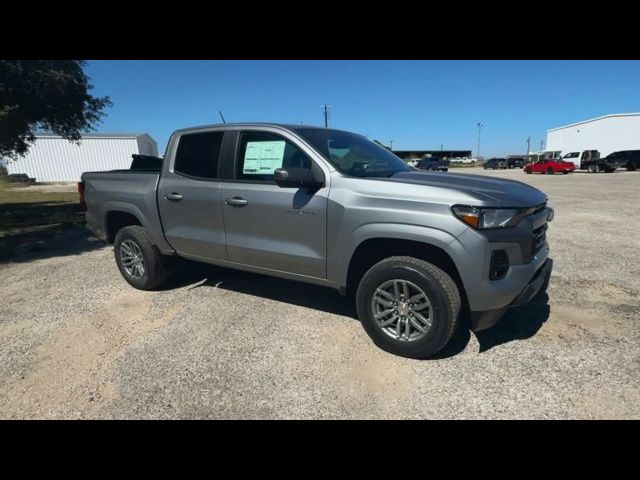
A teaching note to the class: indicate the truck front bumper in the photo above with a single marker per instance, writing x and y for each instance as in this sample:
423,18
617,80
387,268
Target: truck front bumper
539,281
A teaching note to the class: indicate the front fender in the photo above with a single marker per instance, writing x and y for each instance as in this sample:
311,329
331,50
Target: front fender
338,264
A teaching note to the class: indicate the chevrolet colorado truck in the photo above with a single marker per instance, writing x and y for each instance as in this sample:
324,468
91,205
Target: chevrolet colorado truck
416,250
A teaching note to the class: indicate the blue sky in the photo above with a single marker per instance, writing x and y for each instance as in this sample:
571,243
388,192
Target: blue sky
417,104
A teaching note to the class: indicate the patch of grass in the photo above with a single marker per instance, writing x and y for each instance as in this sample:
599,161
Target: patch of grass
22,209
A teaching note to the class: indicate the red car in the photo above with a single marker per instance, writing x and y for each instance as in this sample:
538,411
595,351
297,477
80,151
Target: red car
550,167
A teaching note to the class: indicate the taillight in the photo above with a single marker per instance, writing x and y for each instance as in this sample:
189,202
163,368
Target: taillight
83,205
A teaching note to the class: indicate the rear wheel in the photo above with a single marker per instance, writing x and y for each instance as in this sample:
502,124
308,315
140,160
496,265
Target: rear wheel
631,167
597,168
138,259
550,171
591,169
408,307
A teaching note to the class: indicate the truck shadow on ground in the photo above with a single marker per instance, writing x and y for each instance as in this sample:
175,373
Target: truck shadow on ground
46,242
517,324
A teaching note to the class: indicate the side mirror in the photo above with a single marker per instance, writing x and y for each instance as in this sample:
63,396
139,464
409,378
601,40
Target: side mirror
296,178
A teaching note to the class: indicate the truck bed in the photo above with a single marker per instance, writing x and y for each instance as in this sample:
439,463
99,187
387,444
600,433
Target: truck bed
125,192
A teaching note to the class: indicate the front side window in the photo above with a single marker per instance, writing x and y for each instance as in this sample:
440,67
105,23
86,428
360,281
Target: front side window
353,154
198,155
262,153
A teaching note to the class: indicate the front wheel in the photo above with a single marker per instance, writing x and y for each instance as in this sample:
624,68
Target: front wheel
591,169
550,171
138,259
408,306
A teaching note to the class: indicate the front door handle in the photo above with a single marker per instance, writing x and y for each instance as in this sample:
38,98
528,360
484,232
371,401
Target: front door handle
174,197
236,202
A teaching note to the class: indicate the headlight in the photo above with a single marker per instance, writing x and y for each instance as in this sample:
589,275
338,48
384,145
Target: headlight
486,218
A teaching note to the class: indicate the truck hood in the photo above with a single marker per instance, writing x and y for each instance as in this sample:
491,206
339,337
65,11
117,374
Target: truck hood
489,190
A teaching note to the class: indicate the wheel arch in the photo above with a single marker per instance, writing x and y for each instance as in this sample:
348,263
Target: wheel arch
374,249
118,216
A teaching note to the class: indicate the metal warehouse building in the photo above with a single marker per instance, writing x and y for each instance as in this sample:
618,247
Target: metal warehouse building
606,134
53,159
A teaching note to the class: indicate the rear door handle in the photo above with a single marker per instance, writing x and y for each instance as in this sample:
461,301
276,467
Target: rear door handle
174,197
236,202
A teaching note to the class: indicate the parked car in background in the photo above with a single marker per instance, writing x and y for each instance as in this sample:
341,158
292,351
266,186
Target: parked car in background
417,251
573,157
413,162
465,160
516,162
550,167
434,164
590,160
629,159
496,164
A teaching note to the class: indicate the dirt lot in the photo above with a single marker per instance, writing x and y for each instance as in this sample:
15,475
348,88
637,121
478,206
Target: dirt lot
77,342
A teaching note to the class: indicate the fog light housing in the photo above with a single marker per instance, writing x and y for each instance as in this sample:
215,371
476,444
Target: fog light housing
499,265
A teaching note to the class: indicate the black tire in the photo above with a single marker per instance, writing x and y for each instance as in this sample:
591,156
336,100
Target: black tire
436,284
565,172
527,171
596,168
591,169
156,270
631,167
550,171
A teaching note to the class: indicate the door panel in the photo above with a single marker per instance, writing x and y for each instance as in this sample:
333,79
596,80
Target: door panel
189,197
268,226
278,228
192,225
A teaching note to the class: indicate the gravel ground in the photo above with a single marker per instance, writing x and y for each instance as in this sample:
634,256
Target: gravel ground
77,342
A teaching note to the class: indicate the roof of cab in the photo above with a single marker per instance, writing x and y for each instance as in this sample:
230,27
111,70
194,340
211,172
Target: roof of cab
285,126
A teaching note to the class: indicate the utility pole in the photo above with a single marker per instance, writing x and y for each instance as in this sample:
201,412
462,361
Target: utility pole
479,131
541,142
528,148
391,143
326,116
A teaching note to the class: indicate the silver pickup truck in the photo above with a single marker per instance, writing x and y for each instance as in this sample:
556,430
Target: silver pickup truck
417,250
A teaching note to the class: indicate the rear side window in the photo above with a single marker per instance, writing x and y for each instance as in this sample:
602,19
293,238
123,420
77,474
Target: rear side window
198,155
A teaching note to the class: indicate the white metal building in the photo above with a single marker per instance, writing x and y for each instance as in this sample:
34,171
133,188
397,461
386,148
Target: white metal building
607,134
53,159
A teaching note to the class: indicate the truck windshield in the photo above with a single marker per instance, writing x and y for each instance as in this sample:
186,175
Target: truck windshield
353,154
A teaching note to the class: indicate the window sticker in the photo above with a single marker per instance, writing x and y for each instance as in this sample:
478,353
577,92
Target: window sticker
263,158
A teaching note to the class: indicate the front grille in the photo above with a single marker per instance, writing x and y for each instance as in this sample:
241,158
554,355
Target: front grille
539,237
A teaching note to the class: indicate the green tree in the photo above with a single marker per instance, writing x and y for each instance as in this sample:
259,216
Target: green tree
48,95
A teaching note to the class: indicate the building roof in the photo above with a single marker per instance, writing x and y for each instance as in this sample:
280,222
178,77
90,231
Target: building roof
94,135
594,119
